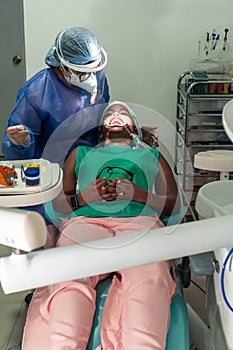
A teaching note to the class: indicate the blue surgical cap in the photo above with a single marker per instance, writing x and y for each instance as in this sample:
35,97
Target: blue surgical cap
76,45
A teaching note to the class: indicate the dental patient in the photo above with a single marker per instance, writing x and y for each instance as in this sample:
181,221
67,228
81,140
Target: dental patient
123,188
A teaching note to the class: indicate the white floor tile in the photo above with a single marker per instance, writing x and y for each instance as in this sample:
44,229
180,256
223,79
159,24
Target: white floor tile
12,318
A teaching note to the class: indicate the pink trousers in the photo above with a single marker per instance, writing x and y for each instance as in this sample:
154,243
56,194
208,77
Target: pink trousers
136,313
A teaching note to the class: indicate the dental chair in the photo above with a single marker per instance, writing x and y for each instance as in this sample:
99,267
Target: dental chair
178,334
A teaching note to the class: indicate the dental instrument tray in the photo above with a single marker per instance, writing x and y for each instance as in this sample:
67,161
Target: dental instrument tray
47,175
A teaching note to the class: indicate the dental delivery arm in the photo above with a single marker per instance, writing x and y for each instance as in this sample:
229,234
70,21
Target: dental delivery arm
21,229
49,266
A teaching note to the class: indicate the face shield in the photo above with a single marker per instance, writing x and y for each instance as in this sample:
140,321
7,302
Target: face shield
82,75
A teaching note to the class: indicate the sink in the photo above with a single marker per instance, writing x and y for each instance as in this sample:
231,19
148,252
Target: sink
214,160
215,199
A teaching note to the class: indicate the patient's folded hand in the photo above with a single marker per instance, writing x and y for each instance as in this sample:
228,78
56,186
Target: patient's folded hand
128,190
109,191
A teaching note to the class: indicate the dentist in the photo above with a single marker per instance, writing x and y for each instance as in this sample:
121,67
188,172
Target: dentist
75,79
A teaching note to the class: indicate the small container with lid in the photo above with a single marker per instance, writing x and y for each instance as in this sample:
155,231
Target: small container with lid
32,176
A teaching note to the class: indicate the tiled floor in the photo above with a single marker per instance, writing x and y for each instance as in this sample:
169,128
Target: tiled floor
13,310
195,297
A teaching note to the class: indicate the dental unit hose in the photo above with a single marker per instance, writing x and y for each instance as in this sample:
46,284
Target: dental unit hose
222,280
136,139
138,142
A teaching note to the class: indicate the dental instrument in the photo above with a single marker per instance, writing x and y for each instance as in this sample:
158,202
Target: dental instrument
198,48
213,38
8,175
22,173
206,48
216,41
225,38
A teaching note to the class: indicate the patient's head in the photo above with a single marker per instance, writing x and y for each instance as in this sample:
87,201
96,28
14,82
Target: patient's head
119,122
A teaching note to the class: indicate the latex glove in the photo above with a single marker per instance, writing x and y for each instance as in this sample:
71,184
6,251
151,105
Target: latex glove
18,135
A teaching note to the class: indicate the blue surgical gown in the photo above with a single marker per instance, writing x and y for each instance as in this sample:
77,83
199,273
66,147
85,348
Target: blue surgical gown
43,103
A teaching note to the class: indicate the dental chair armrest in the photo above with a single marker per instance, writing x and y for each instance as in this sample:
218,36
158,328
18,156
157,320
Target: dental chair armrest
202,264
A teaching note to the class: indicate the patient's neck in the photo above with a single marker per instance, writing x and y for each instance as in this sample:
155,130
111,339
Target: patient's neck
117,142
117,137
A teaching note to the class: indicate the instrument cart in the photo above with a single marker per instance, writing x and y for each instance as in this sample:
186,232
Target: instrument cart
201,97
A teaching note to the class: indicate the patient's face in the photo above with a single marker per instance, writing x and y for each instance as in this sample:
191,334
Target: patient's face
117,115
117,123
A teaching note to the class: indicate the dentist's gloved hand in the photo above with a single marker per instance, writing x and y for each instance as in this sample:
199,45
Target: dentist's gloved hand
18,135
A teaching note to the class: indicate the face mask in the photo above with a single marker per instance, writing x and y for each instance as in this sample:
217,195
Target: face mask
90,84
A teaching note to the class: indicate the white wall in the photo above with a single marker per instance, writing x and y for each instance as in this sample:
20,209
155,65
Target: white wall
149,42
